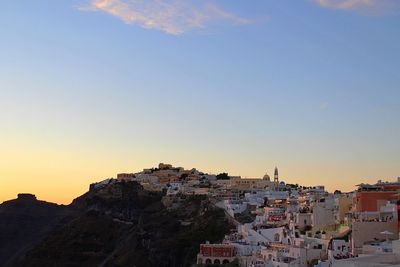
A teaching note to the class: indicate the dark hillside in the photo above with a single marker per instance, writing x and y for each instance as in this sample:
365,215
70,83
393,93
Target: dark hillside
24,222
123,225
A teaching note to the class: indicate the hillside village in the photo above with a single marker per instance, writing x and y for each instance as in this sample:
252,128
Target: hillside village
282,225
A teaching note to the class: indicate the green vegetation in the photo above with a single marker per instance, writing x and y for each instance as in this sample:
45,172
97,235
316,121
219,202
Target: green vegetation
245,217
183,176
223,176
312,263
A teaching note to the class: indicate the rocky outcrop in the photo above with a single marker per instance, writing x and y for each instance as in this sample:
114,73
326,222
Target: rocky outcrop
24,222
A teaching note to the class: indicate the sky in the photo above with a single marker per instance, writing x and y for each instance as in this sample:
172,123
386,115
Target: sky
91,88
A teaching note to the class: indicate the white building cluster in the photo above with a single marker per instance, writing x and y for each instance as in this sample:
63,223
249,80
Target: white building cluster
282,225
307,226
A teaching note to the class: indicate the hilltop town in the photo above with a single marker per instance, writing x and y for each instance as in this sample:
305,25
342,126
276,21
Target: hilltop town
282,225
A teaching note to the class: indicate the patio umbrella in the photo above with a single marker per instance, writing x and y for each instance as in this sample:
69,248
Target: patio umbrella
387,233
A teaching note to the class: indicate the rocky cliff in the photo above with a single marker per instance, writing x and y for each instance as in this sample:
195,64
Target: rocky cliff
24,222
123,225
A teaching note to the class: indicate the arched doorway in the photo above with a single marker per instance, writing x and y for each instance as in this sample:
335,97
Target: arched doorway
217,261
208,261
225,261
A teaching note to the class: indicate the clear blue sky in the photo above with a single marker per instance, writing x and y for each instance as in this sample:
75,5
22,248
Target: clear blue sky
92,88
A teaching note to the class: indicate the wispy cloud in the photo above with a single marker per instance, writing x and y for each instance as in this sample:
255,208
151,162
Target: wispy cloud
365,6
170,16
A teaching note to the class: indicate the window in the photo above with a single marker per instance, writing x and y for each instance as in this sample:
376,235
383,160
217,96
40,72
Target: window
276,237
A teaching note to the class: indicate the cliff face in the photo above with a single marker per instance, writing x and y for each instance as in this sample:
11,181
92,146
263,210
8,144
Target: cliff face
23,222
123,225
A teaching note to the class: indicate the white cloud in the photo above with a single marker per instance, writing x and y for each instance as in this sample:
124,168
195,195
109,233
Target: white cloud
365,6
171,16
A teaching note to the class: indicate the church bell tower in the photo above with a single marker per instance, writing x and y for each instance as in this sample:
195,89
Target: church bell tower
276,177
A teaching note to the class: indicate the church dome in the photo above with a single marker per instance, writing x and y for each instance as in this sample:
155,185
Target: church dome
266,177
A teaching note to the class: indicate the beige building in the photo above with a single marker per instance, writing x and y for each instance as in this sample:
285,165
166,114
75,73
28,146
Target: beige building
344,205
251,183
